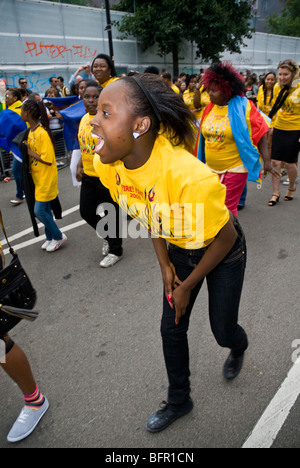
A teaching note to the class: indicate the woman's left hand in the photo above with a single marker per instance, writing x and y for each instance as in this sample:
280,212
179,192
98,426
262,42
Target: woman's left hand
268,167
181,300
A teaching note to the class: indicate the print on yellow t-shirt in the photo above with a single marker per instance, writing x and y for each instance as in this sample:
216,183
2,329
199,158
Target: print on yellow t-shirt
173,195
45,177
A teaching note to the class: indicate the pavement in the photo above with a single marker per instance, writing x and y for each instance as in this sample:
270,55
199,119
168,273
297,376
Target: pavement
95,349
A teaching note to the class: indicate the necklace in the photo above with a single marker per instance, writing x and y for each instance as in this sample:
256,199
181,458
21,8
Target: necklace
33,129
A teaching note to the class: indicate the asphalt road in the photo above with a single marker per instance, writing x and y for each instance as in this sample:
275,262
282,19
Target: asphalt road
96,350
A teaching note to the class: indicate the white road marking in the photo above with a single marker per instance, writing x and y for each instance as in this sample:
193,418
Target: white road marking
273,418
40,225
40,238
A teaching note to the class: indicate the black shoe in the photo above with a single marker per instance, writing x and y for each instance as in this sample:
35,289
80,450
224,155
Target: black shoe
168,414
233,366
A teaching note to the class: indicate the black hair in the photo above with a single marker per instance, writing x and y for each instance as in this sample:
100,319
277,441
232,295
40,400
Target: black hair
93,84
109,61
190,77
152,69
16,93
177,121
167,76
61,78
265,88
37,110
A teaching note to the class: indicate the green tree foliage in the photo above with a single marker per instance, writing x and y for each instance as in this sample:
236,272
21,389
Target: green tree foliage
213,25
288,22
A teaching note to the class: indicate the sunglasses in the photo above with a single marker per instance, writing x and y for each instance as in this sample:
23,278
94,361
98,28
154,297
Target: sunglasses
23,82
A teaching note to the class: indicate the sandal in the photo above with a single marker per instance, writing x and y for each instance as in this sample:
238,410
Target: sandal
287,198
274,202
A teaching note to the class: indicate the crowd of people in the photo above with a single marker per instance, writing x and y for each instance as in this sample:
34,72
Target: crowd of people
192,141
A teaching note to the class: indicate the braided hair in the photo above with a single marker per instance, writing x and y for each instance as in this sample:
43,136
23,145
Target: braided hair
167,111
37,110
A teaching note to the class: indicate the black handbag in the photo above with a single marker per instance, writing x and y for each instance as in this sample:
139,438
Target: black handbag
17,295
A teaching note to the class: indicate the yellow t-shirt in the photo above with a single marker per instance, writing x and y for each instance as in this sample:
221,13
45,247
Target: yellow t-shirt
266,107
175,89
188,97
45,177
87,145
16,107
173,195
113,78
221,152
204,100
288,117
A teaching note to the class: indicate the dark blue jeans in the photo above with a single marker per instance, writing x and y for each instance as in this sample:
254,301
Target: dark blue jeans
225,285
17,173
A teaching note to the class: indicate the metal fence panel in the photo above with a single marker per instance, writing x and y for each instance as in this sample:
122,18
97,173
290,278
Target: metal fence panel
41,39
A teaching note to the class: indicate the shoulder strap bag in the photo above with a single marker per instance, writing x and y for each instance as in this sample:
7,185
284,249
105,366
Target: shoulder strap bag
17,295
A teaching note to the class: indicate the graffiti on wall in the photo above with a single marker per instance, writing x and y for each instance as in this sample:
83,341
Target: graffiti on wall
37,82
54,51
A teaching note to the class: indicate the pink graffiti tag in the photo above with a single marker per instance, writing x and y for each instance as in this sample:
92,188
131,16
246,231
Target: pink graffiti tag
55,51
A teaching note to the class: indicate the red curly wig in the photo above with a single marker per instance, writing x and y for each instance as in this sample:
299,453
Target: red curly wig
227,79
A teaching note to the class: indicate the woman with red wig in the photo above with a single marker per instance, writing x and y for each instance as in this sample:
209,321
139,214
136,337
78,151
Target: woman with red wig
232,134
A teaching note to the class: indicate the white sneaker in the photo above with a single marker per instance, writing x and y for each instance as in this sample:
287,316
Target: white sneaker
45,245
27,422
109,260
16,201
56,244
105,248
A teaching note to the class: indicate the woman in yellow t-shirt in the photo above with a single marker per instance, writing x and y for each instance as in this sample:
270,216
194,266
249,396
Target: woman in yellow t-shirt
103,70
188,96
266,97
234,133
286,135
93,193
180,201
43,170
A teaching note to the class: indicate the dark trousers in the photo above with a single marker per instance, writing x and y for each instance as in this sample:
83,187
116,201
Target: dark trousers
224,284
92,194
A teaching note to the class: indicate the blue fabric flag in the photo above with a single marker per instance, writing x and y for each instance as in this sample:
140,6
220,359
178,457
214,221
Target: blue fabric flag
11,125
62,101
72,117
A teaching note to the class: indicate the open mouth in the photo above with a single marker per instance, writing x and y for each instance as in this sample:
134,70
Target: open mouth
100,144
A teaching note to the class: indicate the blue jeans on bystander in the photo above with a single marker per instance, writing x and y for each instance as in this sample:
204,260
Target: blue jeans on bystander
42,211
